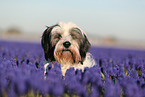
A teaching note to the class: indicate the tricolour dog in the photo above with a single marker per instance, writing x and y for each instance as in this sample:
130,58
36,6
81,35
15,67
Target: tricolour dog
68,45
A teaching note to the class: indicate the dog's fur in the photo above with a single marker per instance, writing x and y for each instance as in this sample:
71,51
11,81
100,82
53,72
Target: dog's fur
68,45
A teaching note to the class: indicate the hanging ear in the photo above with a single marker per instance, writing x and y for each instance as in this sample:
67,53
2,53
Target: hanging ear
84,48
46,44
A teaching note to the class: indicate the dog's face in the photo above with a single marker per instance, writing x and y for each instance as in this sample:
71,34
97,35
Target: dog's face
65,43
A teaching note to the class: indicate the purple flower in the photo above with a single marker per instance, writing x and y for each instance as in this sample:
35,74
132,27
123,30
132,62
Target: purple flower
11,93
20,86
118,72
134,74
58,89
111,89
94,92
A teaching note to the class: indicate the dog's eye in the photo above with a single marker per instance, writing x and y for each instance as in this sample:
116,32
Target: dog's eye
57,36
74,36
75,33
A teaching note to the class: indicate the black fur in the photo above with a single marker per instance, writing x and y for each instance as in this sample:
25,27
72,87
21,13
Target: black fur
46,44
84,48
49,50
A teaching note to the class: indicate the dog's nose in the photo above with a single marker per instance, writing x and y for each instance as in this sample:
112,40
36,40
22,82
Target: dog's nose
66,44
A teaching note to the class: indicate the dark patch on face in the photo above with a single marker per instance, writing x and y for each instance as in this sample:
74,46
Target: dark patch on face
84,47
55,38
76,35
47,45
82,41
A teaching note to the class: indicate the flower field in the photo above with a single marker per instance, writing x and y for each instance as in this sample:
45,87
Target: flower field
117,73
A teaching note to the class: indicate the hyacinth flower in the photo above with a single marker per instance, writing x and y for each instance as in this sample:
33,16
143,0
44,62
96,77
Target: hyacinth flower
78,74
3,85
11,93
111,89
73,84
119,73
129,87
94,92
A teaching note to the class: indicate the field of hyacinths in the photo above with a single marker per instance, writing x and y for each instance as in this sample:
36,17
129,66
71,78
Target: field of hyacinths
117,73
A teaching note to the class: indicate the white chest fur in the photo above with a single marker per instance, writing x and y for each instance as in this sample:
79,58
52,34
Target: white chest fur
88,62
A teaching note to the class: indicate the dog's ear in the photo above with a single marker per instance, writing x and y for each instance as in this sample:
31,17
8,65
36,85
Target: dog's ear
84,48
46,44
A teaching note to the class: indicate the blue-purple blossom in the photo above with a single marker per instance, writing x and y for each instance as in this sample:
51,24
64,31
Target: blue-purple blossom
118,73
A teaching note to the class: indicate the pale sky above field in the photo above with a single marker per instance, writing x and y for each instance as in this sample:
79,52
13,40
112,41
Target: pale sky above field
124,19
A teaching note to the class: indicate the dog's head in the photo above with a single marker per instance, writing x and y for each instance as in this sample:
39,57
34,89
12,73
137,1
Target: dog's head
65,43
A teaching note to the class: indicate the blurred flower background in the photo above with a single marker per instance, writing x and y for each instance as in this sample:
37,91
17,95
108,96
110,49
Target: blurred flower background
107,23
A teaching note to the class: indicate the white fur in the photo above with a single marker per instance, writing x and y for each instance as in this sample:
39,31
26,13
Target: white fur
65,27
88,62
64,30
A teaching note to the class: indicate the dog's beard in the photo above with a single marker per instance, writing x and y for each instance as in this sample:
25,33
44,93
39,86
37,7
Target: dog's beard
67,56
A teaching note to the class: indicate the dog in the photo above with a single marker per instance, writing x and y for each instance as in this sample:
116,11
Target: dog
68,45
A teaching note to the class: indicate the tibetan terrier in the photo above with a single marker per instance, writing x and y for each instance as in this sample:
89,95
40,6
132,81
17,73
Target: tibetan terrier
68,45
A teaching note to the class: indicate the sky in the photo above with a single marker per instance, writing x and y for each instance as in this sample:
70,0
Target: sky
123,19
